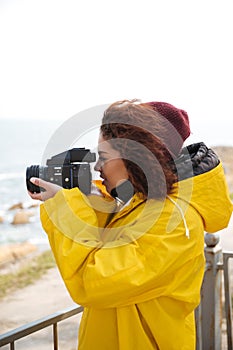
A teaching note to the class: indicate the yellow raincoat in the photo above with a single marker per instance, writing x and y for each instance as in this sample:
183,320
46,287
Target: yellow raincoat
137,273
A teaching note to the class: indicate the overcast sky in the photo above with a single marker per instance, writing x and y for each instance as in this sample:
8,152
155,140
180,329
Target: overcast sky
59,57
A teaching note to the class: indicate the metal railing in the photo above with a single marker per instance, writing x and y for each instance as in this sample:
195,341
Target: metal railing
51,320
216,305
209,314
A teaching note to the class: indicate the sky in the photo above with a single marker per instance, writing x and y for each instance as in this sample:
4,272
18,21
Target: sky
59,57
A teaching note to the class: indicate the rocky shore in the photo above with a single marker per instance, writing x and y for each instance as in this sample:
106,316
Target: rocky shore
14,255
21,213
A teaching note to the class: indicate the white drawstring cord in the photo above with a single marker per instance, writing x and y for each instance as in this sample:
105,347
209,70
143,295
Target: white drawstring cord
182,215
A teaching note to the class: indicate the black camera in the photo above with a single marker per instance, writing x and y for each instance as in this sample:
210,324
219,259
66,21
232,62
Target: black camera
68,169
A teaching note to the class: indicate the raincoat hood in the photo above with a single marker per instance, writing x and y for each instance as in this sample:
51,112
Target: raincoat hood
203,185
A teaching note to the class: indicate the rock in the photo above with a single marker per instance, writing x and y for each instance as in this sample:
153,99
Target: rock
5,254
34,205
1,219
20,250
16,206
12,252
21,217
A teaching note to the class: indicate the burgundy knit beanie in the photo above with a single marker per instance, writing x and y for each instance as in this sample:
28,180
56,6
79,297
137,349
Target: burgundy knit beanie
179,121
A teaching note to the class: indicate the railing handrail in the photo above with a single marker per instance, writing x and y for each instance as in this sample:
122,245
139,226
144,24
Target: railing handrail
37,325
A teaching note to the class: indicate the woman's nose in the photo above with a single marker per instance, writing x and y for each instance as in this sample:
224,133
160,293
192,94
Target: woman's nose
97,166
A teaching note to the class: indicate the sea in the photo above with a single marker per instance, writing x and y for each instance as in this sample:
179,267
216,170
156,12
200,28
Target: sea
22,143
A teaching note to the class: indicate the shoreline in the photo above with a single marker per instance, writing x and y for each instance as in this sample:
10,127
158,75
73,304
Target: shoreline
15,255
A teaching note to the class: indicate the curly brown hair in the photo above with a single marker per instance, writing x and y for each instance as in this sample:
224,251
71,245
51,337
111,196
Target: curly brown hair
133,129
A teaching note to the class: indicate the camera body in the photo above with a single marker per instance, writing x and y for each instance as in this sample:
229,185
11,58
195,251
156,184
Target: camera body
68,169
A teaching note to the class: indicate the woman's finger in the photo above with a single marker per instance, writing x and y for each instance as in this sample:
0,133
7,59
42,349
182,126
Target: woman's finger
38,182
36,196
50,189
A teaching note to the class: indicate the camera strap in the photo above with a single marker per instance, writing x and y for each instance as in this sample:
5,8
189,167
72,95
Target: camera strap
123,192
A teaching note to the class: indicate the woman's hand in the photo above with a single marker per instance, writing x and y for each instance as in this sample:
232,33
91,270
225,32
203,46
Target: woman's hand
50,189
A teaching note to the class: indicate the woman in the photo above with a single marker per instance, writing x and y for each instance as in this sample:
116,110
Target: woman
134,256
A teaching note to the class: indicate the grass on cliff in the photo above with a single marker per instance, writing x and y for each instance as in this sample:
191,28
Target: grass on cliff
26,275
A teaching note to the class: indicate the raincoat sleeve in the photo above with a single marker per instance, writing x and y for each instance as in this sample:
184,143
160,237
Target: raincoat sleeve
110,275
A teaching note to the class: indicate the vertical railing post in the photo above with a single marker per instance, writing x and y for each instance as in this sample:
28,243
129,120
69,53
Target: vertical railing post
55,337
228,302
198,322
211,307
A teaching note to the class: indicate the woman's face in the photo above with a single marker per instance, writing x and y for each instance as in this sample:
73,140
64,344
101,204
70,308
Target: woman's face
110,165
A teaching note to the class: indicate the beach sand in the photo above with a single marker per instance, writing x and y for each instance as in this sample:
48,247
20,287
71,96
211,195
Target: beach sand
49,295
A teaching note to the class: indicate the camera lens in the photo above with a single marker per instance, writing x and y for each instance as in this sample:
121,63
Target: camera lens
32,171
